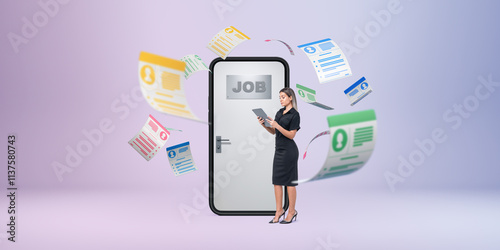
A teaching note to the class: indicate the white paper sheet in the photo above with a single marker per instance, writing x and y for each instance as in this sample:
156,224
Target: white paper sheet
353,137
358,91
193,64
150,139
180,159
226,40
327,132
162,84
286,44
309,95
328,60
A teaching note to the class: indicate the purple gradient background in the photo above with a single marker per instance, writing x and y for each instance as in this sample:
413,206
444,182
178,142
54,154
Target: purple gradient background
65,79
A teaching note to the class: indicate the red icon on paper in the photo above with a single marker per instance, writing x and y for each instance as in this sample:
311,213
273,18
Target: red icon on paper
163,135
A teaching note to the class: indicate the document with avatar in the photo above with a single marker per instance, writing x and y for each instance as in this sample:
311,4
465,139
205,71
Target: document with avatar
180,159
150,139
328,60
358,91
226,40
162,84
353,137
309,95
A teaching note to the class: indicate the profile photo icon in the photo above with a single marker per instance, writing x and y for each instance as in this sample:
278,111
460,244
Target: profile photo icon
171,154
309,50
364,86
163,135
147,74
339,140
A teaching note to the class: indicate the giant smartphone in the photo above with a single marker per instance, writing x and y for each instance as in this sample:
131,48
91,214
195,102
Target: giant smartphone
241,150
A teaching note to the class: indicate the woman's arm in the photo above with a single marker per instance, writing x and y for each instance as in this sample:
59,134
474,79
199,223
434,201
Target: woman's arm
289,134
270,130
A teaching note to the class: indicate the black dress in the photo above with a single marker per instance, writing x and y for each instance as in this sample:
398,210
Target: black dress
286,154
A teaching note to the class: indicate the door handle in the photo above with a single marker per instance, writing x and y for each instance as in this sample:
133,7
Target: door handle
218,143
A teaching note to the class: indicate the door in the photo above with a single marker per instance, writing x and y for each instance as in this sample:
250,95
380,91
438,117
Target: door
241,150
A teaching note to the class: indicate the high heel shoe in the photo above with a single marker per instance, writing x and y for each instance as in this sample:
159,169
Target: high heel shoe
293,217
272,221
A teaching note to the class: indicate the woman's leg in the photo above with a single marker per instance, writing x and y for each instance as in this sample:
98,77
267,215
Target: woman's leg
278,194
292,197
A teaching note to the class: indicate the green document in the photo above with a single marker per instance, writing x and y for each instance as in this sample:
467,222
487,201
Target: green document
309,95
352,142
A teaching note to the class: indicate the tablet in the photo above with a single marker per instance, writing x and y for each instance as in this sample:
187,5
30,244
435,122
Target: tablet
260,113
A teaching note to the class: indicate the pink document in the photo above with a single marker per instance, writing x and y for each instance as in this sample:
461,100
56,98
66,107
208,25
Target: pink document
150,139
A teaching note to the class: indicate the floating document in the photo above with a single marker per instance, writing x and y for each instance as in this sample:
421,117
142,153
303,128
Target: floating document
225,41
309,96
162,84
318,135
150,139
180,158
173,129
286,44
358,91
352,142
328,60
193,64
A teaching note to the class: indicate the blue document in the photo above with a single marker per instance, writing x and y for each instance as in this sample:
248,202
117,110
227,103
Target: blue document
180,158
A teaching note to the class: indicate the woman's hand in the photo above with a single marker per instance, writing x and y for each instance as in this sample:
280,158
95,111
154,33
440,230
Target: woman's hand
273,123
261,121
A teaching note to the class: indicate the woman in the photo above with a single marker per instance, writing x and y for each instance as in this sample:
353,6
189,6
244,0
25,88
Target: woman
285,125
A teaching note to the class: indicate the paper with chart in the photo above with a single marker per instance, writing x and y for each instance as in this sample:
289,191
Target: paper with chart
286,44
180,158
328,60
224,42
353,137
150,139
358,91
193,64
162,84
309,95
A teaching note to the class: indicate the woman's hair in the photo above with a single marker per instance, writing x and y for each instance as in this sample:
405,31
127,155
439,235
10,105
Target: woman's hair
290,93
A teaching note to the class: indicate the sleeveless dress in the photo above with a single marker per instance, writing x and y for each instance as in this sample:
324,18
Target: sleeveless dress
286,154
